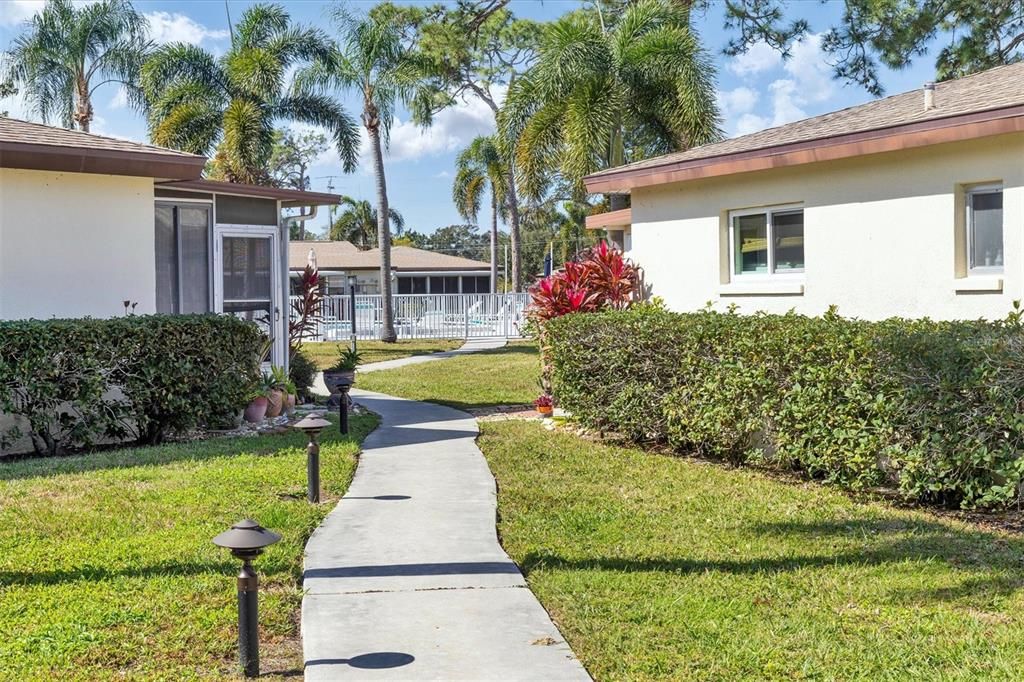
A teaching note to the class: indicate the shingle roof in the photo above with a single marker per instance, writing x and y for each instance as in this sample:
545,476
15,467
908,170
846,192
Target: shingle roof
34,146
995,88
26,132
341,255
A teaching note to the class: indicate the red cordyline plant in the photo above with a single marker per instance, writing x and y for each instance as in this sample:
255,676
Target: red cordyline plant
596,279
306,309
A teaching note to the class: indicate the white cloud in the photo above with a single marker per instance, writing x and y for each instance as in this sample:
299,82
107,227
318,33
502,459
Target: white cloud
16,11
750,123
165,27
759,58
120,99
807,82
442,174
736,101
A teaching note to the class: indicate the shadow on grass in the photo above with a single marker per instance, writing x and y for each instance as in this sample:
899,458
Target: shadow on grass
992,562
103,573
170,453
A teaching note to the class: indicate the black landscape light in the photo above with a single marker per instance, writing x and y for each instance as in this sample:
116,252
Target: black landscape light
352,307
312,425
246,540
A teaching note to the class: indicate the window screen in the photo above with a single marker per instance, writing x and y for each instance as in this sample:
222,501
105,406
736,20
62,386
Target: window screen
245,211
182,246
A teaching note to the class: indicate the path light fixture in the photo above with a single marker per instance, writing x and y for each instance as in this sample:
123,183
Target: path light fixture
246,540
312,425
352,306
344,387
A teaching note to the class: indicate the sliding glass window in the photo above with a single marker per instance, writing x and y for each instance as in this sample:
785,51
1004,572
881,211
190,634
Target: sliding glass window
767,242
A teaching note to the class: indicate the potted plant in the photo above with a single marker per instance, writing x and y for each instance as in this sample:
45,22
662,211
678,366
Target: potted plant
256,411
289,397
545,405
273,385
343,372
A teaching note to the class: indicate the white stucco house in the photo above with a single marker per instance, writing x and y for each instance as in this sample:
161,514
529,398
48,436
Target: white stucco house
911,205
88,222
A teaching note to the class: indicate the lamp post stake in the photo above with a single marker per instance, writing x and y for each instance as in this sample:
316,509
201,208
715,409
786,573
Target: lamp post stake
248,621
313,469
343,410
312,425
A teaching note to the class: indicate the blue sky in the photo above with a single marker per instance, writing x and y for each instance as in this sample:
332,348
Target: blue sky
756,90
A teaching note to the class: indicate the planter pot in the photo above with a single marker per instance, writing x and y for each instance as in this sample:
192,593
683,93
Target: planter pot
335,380
276,400
289,404
545,411
257,410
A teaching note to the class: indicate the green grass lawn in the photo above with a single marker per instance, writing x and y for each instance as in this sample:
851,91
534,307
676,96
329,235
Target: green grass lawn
106,566
325,353
504,376
657,567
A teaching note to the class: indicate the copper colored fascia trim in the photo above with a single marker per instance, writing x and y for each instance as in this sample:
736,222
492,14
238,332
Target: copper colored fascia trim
623,217
908,136
289,197
99,161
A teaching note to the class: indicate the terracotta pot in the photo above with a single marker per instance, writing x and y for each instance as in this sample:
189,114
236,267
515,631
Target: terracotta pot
276,400
545,410
335,379
289,404
257,410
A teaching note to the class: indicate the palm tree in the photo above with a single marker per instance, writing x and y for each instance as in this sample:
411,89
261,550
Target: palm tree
603,95
358,223
197,102
69,50
374,64
480,167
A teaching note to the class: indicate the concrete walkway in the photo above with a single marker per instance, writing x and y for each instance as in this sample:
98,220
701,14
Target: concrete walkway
470,346
405,579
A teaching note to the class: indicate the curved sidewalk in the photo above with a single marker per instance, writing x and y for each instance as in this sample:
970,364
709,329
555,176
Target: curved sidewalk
470,346
405,578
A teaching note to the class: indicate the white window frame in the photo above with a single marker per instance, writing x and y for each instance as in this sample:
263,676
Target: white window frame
767,211
969,193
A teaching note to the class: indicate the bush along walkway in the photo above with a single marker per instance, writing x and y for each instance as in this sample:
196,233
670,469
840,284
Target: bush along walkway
405,579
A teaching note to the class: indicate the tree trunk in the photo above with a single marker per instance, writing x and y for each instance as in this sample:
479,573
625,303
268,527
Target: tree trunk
387,328
513,231
83,107
512,199
494,243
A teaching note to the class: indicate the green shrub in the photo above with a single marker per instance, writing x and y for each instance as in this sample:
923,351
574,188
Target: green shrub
934,408
74,381
302,371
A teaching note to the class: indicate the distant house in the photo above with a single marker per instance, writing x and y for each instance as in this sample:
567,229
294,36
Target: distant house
910,205
416,271
89,222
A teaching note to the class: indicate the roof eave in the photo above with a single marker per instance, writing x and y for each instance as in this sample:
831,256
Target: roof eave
892,138
59,158
289,198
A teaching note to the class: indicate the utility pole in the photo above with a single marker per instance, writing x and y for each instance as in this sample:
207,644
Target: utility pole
330,209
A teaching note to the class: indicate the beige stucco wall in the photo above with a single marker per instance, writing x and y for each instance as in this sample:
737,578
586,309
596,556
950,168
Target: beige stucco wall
882,233
75,244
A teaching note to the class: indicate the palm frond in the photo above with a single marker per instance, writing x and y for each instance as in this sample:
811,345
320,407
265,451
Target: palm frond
325,112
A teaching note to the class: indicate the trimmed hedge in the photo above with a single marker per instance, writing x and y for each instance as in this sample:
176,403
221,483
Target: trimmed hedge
933,408
141,377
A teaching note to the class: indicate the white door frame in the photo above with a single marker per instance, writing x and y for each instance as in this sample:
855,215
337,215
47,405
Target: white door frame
222,230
